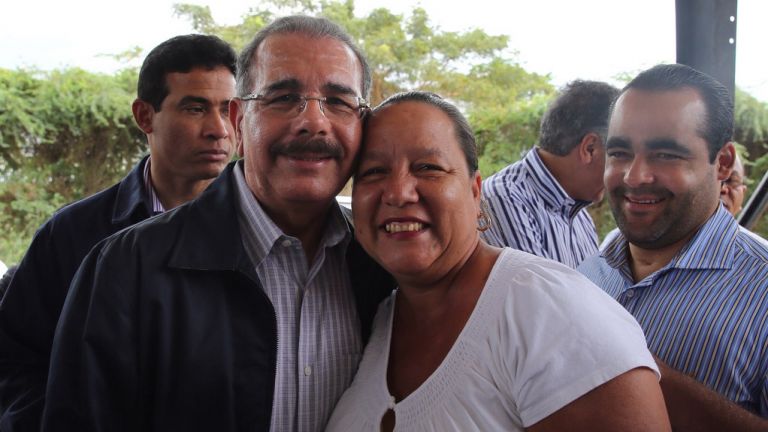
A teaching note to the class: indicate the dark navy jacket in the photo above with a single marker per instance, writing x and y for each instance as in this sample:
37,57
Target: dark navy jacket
167,327
30,308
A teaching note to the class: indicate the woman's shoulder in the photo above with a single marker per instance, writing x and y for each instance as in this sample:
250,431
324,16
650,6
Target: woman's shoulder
538,303
532,277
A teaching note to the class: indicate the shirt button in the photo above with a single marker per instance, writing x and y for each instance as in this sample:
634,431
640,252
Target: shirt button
307,370
286,243
630,293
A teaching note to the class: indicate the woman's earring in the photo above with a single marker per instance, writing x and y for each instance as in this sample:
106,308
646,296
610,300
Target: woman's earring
483,219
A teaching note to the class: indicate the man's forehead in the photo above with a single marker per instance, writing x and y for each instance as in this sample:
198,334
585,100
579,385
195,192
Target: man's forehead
309,61
657,112
659,103
201,79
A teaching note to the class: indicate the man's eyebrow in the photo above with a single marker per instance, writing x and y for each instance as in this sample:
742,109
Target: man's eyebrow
618,142
284,84
667,144
336,88
193,99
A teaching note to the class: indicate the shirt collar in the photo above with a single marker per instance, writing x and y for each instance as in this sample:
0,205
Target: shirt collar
264,233
710,248
549,188
157,206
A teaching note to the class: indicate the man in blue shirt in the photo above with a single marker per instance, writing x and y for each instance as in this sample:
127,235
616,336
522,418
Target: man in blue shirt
694,280
538,204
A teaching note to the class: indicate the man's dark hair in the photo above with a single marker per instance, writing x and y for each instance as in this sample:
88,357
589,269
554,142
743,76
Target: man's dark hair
461,127
181,54
717,126
580,108
312,27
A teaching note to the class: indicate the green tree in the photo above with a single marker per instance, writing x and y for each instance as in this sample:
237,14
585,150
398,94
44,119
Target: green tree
64,134
408,52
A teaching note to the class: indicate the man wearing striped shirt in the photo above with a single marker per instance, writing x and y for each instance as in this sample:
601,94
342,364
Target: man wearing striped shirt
183,90
695,281
538,204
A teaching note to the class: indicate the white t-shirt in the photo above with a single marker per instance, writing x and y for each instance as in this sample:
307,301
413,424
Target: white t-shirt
540,336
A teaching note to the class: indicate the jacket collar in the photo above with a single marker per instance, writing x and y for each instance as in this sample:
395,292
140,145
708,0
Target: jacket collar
131,197
209,237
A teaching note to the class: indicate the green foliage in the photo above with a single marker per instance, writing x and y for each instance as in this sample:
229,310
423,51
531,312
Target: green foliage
20,121
404,52
503,101
68,133
751,131
505,133
24,206
64,134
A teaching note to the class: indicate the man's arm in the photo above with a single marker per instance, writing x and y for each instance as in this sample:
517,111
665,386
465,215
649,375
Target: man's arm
631,402
28,316
692,406
93,379
516,226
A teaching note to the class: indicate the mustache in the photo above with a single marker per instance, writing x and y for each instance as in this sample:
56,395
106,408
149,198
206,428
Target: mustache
318,146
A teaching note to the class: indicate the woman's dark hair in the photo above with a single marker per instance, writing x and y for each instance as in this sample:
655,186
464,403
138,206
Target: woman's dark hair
461,127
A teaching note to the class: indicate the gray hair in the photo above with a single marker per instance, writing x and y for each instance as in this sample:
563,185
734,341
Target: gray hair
580,108
315,28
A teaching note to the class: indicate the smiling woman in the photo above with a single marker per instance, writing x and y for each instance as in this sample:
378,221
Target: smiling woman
476,337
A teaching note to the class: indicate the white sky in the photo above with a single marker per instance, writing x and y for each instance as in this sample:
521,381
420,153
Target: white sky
589,39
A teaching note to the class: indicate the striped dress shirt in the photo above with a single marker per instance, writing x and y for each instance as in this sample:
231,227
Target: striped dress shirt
531,212
706,312
318,341
157,206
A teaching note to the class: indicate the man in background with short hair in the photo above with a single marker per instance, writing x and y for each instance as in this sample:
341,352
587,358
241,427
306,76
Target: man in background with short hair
538,204
184,88
733,189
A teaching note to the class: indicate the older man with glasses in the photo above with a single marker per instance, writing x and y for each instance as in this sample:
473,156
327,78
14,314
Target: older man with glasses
248,308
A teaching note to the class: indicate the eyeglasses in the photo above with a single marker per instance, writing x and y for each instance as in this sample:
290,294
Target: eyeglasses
733,183
289,105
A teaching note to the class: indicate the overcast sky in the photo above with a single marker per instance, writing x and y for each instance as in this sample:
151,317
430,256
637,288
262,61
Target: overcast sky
589,39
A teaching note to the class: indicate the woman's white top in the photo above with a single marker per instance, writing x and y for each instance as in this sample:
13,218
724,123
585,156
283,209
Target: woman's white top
540,336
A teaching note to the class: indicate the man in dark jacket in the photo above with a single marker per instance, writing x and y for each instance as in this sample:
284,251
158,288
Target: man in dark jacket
247,308
184,89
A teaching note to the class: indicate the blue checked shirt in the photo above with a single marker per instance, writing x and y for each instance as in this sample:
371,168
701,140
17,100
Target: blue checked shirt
531,212
706,312
318,329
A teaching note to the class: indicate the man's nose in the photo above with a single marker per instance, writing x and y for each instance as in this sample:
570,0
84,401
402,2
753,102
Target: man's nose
638,173
217,125
311,118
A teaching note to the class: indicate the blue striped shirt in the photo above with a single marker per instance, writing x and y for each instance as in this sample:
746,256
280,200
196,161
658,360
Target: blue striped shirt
531,212
706,312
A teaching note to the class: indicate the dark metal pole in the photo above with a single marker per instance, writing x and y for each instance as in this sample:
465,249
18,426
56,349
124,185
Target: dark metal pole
706,38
